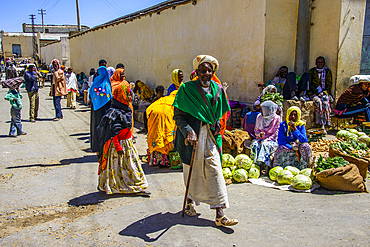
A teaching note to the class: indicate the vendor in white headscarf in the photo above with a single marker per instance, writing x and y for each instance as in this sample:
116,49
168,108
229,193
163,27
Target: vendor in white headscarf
268,89
266,132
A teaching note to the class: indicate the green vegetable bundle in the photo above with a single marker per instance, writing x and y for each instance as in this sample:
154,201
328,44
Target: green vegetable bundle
324,164
352,148
274,97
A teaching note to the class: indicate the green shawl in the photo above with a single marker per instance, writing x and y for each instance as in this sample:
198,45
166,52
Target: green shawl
189,100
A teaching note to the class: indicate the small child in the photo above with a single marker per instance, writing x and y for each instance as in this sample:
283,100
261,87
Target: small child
15,99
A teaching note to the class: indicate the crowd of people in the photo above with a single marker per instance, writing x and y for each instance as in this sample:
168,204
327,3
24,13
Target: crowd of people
190,119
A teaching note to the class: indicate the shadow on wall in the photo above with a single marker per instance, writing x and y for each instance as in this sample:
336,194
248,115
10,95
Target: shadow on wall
162,222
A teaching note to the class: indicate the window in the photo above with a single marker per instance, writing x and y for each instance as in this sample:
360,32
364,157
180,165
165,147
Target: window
46,30
16,49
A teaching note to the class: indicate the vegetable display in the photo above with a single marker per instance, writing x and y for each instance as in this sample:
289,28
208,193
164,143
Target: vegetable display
352,148
295,171
239,168
240,175
227,160
302,182
274,97
322,145
328,163
285,177
243,161
274,172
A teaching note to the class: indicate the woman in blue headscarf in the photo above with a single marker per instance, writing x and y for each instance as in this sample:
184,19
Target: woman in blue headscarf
100,95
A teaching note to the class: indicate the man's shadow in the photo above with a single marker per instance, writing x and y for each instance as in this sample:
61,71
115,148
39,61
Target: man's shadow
163,222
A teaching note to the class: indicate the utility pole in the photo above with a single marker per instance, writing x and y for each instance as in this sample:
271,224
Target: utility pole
34,41
43,12
78,17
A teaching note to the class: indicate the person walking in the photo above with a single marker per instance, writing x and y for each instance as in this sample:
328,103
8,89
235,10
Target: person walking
58,88
32,88
71,81
11,72
198,107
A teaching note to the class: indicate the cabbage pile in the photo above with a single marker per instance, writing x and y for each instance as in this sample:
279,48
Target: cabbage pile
301,180
239,168
354,135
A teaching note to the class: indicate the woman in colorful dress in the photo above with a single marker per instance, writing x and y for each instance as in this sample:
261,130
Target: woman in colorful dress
161,130
266,132
120,170
100,95
293,148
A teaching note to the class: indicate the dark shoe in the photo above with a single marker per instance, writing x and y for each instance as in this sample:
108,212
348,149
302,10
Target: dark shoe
56,119
144,193
23,133
32,120
12,136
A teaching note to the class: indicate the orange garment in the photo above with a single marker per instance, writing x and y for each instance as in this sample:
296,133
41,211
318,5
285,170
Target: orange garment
223,120
115,81
161,126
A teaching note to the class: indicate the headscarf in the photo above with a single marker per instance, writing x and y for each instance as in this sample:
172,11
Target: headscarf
100,90
120,93
299,122
269,112
110,71
268,89
193,75
55,61
205,59
115,79
175,78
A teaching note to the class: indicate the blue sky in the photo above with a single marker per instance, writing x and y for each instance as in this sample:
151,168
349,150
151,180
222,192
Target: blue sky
59,12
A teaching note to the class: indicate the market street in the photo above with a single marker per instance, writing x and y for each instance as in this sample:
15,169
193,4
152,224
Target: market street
49,197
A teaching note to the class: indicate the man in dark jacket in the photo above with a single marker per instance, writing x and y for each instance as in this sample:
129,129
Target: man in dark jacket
198,107
33,91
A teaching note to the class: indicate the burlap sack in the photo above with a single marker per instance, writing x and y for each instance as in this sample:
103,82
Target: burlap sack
345,178
361,163
233,143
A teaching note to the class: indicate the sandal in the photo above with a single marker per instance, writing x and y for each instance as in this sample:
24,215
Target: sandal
228,222
191,210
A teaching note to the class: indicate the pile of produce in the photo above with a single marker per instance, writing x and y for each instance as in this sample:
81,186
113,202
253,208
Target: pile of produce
300,180
353,134
239,168
328,163
322,145
353,148
274,97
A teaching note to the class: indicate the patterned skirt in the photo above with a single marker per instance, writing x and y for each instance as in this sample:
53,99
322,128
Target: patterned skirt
123,173
288,157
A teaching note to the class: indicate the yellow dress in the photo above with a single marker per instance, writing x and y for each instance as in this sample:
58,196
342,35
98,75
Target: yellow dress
161,126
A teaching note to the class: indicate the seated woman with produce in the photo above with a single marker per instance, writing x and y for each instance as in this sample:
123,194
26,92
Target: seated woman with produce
268,89
266,132
293,148
354,100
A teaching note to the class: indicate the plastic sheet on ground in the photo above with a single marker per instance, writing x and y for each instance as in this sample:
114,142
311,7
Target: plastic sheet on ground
271,184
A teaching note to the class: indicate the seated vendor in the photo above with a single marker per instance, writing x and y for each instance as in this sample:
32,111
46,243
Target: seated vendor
266,132
354,100
320,92
293,148
268,89
176,78
144,92
291,86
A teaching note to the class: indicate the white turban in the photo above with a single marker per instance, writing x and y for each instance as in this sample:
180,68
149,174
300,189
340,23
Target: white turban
205,59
